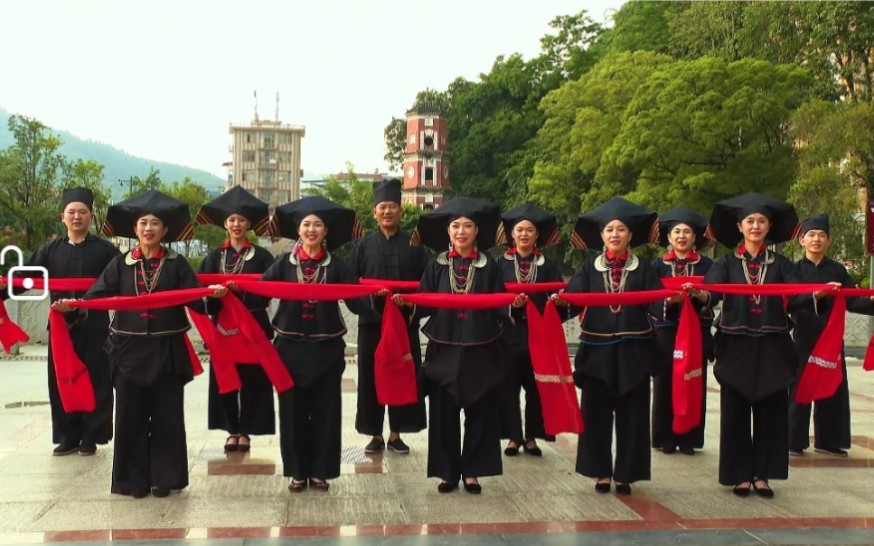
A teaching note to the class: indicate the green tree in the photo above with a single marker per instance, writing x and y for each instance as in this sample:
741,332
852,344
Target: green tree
30,171
395,141
352,193
643,26
137,185
191,193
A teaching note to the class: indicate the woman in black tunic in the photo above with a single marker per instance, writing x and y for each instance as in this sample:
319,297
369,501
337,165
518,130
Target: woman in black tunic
755,357
527,229
148,352
249,410
309,339
681,230
616,356
463,367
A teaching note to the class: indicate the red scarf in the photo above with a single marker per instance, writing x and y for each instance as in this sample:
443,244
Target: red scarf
671,256
552,371
393,367
688,371
227,244
823,371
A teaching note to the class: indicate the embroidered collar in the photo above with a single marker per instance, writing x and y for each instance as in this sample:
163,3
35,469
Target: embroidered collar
453,254
227,244
480,261
512,250
136,255
536,256
295,257
302,255
611,256
601,264
691,258
741,254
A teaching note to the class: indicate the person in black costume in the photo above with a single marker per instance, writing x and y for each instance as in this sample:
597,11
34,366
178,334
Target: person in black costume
79,254
681,230
463,368
249,410
755,357
527,229
150,359
831,416
616,356
385,254
309,339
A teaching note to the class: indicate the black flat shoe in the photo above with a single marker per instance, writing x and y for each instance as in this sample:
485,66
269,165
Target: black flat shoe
741,490
511,451
447,487
319,485
231,446
532,450
297,487
602,487
244,447
687,450
765,491
669,449
623,488
160,492
473,488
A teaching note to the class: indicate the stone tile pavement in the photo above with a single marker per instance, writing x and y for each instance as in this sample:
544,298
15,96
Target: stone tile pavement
242,498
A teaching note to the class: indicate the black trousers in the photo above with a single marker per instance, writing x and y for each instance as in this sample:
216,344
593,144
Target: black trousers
753,450
479,453
94,426
249,410
521,376
663,414
309,427
594,448
831,418
150,445
370,414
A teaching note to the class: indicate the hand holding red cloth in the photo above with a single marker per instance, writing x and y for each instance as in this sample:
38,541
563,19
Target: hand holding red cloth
74,383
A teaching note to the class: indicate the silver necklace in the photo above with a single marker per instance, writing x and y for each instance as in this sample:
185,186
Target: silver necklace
523,275
150,278
758,279
236,266
456,283
614,288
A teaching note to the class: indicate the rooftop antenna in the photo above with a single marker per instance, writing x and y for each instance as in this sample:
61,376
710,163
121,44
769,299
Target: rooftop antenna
256,105
277,107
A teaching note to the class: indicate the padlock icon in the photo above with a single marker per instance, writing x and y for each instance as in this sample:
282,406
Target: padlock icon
27,282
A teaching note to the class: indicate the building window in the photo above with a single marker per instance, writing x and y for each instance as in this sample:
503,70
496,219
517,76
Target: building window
285,138
285,157
267,141
267,178
248,138
429,122
429,174
286,177
249,156
248,176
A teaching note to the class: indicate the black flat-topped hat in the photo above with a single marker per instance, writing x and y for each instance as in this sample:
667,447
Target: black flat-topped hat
726,214
640,221
432,227
342,223
683,215
387,190
820,222
546,224
121,217
236,201
78,195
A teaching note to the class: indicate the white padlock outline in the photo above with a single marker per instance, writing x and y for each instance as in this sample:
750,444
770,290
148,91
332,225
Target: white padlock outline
20,267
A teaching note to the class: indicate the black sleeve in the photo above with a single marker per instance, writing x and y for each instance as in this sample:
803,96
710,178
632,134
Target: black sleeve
107,284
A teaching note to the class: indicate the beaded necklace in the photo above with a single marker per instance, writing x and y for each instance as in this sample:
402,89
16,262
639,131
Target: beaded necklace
612,287
150,276
460,284
525,274
758,278
236,266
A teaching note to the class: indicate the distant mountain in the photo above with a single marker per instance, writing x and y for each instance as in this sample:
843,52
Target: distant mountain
118,164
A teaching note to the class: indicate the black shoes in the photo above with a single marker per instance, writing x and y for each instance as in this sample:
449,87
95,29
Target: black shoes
765,490
447,487
87,449
473,488
623,488
398,446
376,445
687,450
530,447
669,448
512,450
244,447
796,453
297,487
160,492
319,485
742,490
65,448
602,487
836,452
232,443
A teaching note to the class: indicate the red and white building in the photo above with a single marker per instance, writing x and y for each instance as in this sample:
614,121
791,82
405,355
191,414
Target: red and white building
426,159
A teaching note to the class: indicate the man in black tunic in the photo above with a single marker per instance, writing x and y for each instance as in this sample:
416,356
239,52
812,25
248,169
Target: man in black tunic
385,254
79,254
831,416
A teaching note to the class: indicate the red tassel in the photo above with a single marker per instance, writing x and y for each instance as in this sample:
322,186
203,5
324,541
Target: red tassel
552,371
823,372
394,369
688,373
74,383
196,367
10,333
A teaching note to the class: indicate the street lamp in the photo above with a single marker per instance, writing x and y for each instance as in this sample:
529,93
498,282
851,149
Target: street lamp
130,184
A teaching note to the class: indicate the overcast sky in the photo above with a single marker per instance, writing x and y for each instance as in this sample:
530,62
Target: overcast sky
164,79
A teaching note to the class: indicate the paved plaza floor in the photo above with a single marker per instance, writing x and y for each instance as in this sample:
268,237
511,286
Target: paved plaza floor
386,499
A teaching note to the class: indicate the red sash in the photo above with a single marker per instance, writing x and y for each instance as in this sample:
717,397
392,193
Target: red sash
393,368
823,371
688,372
